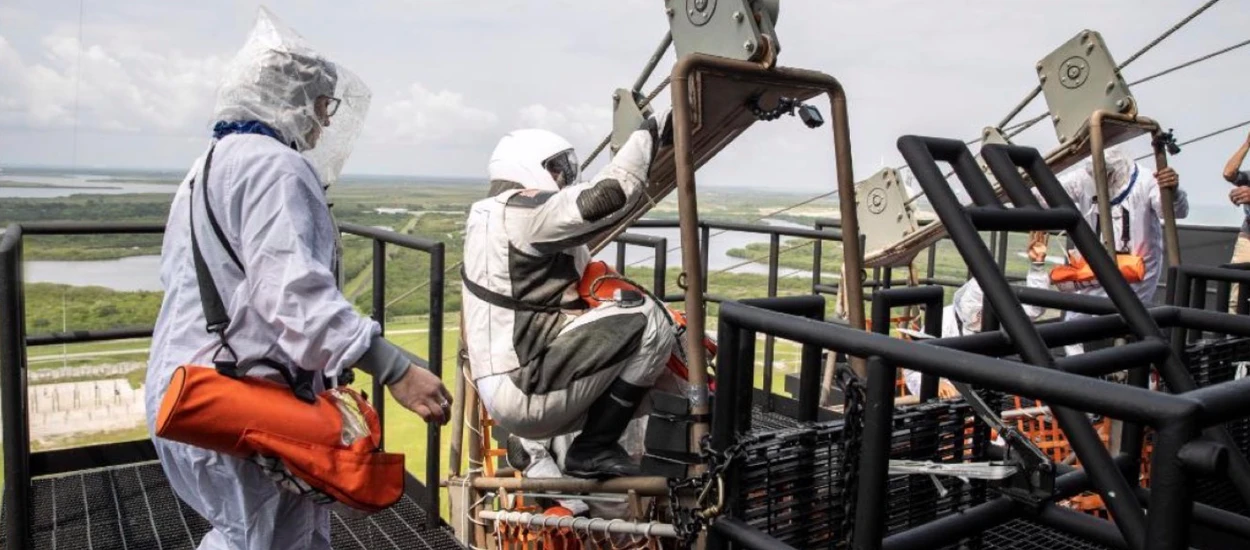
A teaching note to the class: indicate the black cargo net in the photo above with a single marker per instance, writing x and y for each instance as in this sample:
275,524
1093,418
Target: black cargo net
795,490
1212,362
794,483
134,508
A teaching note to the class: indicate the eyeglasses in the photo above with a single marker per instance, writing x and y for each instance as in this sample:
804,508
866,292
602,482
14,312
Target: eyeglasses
331,105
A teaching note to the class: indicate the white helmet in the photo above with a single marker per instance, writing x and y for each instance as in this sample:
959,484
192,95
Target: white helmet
534,159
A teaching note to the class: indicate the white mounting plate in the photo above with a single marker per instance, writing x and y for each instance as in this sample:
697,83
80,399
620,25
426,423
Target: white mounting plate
723,28
1079,78
884,215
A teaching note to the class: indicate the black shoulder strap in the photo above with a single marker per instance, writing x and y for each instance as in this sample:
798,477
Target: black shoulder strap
1125,231
215,315
214,310
507,302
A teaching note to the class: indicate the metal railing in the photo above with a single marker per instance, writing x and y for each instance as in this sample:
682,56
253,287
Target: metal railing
434,350
21,465
818,235
1177,419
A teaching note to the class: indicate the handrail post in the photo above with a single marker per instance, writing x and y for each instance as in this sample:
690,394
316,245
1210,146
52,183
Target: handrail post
770,343
379,315
437,288
17,490
660,274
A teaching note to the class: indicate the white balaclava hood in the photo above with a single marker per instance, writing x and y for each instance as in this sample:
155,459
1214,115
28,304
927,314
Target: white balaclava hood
1119,171
528,158
276,79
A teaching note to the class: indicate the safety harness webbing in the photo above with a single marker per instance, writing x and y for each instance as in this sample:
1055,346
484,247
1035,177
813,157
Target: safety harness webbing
507,302
1125,219
215,315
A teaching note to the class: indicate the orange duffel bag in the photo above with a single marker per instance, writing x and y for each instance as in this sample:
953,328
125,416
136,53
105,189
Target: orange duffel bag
321,445
1077,274
330,444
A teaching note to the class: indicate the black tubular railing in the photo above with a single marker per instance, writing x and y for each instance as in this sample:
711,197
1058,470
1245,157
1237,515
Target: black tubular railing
20,464
659,247
1191,289
13,342
932,298
736,375
434,350
1177,419
1173,431
818,236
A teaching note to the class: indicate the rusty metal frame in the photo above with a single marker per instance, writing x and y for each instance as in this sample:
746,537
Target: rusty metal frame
684,90
684,95
1097,144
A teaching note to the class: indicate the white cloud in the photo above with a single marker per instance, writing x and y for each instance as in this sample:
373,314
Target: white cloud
424,116
584,125
109,85
484,68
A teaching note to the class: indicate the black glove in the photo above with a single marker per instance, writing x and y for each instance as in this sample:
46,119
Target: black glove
661,131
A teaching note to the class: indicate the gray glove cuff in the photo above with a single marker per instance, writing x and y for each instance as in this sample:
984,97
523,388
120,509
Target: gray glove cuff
386,362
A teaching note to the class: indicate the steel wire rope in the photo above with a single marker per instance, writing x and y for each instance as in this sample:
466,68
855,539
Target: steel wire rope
1012,130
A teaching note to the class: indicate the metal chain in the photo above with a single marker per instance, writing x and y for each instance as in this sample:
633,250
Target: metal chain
688,522
784,106
852,438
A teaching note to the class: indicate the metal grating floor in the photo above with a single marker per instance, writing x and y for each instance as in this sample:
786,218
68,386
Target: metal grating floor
133,508
1022,534
765,421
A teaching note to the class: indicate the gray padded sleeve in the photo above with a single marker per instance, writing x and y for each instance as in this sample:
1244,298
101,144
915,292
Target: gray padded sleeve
387,362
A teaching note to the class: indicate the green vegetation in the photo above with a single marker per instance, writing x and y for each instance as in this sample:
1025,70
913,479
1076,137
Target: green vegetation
87,308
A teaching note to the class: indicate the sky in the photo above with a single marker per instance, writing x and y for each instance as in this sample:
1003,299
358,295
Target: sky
130,83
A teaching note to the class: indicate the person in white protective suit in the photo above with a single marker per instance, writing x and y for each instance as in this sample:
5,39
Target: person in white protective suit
1136,219
543,364
285,121
963,315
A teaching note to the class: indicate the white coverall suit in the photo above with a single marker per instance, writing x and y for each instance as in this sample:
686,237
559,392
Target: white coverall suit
266,190
963,315
1136,207
287,308
539,361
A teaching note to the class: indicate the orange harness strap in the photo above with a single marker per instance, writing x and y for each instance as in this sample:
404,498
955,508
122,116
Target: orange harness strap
601,283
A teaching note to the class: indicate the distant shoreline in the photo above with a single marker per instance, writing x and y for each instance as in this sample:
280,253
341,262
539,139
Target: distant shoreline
6,184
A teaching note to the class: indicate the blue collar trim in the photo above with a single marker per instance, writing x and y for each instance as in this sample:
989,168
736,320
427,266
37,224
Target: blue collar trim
1120,198
223,129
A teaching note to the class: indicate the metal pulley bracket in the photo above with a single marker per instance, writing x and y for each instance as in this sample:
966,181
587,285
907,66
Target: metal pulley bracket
627,117
1079,78
885,217
734,29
